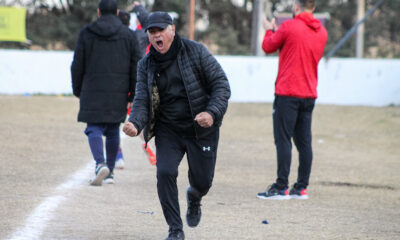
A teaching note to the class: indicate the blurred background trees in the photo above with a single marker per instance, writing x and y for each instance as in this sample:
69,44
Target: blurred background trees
224,26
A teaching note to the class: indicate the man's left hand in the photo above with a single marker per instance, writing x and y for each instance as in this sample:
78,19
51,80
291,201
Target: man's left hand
204,119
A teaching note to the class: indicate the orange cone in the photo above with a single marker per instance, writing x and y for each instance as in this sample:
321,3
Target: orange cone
151,155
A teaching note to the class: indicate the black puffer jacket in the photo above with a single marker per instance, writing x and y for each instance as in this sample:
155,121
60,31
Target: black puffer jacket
206,85
104,70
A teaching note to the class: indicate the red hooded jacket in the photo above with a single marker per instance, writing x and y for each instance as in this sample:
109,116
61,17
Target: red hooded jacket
301,42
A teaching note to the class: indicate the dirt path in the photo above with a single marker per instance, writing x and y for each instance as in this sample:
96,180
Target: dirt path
354,190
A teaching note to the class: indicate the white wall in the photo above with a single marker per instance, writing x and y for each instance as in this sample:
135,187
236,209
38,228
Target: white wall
252,79
368,82
35,72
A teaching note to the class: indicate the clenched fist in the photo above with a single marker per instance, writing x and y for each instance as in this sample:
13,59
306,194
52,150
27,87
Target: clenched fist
130,129
204,119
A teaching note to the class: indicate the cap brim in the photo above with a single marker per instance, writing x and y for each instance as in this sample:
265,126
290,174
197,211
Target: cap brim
157,25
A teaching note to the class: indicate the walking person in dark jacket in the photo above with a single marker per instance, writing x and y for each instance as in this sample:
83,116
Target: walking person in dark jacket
142,15
301,42
181,97
103,76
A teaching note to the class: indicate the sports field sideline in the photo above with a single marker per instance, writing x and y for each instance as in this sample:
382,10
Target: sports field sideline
46,164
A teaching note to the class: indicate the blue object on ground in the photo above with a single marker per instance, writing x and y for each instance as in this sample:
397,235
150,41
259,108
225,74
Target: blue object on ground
142,212
264,221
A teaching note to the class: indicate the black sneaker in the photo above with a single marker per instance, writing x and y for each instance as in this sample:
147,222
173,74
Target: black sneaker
298,192
193,214
109,179
275,193
100,173
176,235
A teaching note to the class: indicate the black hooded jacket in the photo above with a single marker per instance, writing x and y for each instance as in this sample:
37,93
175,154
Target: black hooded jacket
103,70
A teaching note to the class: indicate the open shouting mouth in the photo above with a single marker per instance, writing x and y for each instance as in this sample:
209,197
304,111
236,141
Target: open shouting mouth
160,44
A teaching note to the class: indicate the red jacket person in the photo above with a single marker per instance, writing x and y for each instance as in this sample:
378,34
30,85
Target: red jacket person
301,42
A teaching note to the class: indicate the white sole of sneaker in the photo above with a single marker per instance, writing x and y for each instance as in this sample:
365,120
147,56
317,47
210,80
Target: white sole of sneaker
298,197
120,164
98,180
278,197
108,181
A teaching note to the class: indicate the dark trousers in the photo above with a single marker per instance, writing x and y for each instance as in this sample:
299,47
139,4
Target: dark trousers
201,155
292,119
95,133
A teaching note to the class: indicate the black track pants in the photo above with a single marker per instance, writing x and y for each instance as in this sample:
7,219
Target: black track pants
292,119
201,155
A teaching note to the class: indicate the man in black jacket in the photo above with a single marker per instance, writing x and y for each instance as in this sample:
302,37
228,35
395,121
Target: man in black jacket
104,78
181,97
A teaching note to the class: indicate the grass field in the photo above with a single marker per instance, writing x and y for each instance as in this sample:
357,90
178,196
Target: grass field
46,164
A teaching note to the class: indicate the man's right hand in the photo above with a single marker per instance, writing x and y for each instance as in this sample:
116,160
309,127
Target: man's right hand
132,6
269,25
130,129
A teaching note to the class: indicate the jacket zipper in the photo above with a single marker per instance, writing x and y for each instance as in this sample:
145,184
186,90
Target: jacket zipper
187,94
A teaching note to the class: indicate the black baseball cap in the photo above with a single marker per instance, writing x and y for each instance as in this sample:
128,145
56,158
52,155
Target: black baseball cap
158,19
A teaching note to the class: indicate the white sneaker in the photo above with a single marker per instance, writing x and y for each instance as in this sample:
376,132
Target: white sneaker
109,179
101,172
120,164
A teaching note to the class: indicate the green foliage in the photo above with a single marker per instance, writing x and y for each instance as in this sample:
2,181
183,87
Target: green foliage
177,6
48,26
229,29
228,25
382,31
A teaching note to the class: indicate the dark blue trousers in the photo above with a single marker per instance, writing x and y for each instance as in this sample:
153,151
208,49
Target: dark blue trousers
95,133
292,120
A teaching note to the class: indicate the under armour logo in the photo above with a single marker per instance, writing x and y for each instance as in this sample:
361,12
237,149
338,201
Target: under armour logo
206,148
